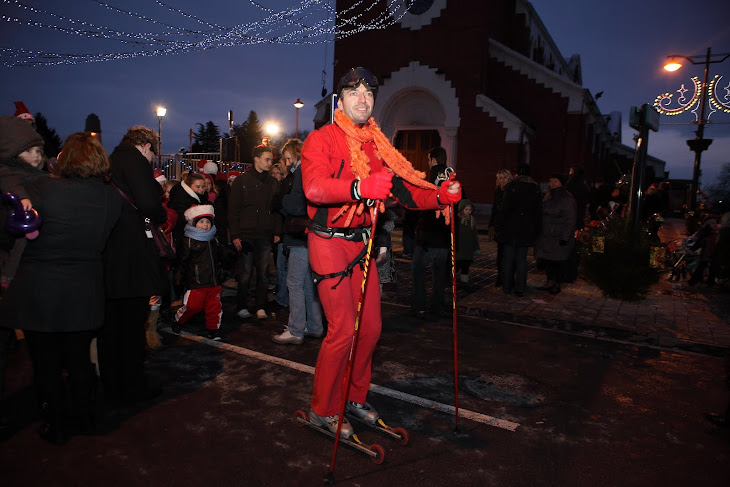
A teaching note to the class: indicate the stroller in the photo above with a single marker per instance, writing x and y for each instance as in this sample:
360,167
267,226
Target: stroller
684,256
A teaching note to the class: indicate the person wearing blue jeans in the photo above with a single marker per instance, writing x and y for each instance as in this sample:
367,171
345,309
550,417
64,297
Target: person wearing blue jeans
282,296
305,310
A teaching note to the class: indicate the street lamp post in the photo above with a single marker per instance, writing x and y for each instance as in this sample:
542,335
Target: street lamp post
161,111
297,104
699,143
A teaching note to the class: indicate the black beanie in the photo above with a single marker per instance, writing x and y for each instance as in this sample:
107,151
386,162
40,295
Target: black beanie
559,176
16,136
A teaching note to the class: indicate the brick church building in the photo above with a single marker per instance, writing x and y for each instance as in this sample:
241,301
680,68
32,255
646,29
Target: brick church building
485,80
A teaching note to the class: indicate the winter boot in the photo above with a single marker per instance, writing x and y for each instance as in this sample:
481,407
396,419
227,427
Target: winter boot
154,340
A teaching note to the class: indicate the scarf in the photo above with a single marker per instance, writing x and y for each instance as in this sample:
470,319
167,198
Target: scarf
198,234
190,191
355,135
467,220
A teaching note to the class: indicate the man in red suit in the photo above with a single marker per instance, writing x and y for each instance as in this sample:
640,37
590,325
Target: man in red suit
348,168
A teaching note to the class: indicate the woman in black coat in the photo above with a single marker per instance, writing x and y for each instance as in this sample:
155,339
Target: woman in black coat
557,236
57,296
132,269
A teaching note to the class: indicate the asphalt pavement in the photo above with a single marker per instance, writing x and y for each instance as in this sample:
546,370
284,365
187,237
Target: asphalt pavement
574,389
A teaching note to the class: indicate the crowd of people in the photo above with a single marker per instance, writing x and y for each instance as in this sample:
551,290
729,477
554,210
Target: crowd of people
94,280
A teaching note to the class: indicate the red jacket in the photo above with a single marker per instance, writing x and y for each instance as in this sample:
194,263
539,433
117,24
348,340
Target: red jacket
327,179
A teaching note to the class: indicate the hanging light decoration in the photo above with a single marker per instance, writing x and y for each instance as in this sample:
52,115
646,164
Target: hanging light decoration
305,22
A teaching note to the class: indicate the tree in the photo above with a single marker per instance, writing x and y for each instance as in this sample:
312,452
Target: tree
52,142
249,135
206,139
720,191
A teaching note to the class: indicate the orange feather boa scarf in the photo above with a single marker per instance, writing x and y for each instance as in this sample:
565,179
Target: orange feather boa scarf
384,151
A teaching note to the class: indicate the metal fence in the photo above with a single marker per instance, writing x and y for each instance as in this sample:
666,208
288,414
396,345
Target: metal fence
173,165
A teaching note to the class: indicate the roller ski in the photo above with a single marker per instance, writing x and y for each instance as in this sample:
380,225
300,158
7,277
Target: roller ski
328,426
367,415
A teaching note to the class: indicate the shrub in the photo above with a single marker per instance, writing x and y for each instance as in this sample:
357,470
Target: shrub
622,270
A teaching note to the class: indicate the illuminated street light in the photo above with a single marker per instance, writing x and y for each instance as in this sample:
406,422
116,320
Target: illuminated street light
699,143
272,129
672,65
161,111
297,104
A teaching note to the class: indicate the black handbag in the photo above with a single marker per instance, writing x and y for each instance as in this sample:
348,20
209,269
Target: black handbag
159,239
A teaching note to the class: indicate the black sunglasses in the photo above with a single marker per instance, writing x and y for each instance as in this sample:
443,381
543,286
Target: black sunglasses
358,75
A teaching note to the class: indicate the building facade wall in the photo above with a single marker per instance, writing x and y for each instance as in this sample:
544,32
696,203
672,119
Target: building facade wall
491,110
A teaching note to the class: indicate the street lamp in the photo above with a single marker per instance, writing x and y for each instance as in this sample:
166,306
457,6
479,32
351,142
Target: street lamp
161,111
699,143
271,130
297,104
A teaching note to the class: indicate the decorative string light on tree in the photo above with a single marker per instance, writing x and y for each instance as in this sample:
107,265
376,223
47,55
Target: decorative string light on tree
307,22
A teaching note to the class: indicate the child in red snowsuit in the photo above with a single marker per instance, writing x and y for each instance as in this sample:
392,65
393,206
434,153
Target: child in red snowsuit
198,271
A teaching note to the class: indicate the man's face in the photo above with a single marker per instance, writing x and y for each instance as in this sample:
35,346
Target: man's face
555,183
263,162
357,103
147,151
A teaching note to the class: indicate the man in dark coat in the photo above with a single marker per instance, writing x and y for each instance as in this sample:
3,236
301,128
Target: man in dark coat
433,241
132,269
254,226
517,227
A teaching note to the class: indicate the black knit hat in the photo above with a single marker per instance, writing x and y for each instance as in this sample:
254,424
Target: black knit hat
559,176
16,136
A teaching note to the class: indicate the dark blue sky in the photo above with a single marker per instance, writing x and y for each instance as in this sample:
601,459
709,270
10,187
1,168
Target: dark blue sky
622,45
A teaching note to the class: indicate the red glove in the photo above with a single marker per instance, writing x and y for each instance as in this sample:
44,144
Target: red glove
376,186
444,196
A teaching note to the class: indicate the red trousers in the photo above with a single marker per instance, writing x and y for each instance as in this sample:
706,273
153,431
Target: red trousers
206,299
340,306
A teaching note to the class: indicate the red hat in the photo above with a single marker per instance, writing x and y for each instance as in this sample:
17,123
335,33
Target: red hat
233,175
21,111
202,163
159,176
221,176
209,176
199,211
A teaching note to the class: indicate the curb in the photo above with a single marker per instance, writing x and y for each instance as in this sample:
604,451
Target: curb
599,332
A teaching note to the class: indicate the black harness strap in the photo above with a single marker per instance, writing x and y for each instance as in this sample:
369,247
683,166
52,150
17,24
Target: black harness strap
360,259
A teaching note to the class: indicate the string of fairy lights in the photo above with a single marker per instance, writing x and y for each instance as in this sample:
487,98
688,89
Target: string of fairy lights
304,22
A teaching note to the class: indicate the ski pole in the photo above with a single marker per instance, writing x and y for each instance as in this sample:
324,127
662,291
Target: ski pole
453,304
355,335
